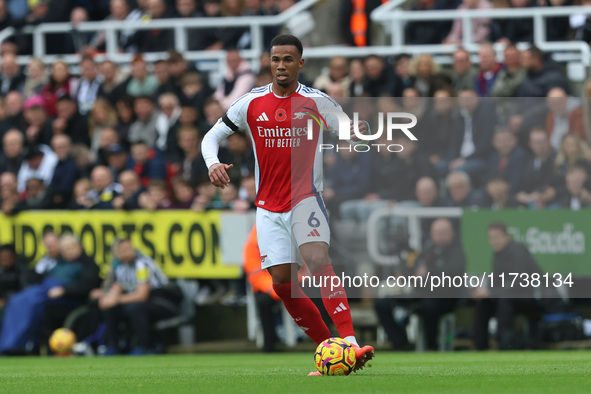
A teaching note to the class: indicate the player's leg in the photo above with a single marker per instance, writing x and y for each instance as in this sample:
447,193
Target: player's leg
311,232
279,256
300,307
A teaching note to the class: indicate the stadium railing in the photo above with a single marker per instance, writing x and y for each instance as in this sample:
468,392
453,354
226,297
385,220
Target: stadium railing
390,15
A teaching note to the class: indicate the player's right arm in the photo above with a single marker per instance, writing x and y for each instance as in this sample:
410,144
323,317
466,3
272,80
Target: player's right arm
224,127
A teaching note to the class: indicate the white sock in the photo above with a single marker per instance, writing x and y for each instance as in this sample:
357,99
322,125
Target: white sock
351,339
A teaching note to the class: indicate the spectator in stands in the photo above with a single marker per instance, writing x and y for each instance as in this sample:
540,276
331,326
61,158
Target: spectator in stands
357,73
118,159
470,144
576,194
13,275
78,41
38,128
338,71
11,156
156,197
238,79
144,128
36,78
193,168
508,159
460,191
402,70
498,194
489,70
535,186
436,125
80,198
114,84
65,286
130,193
126,116
428,196
443,254
165,83
167,125
9,196
46,11
429,32
60,84
193,91
540,76
89,83
142,83
138,297
120,11
212,110
582,24
39,162
242,156
379,79
573,152
507,81
36,197
51,242
427,75
565,115
463,74
65,174
188,9
147,163
517,29
102,117
349,181
156,40
183,194
11,77
104,189
504,303
5,16
13,103
109,136
71,122
480,26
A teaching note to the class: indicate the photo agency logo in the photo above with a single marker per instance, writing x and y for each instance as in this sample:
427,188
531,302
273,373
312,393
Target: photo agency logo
358,133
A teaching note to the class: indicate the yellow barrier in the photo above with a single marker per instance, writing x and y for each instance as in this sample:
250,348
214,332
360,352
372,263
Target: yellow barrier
185,243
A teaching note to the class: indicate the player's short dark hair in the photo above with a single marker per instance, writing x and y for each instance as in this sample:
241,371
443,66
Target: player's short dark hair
497,225
288,39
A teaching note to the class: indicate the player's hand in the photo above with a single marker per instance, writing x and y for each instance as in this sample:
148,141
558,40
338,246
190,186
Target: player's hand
218,175
361,127
56,292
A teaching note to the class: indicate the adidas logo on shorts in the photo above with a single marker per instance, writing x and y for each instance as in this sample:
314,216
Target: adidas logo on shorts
314,233
263,118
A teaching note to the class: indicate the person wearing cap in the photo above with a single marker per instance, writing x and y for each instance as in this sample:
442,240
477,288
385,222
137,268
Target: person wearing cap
117,159
40,162
38,128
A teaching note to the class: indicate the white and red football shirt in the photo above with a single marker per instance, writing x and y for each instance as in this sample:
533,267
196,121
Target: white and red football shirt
288,165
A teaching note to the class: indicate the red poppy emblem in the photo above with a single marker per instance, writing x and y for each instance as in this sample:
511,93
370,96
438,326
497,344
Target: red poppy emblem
280,115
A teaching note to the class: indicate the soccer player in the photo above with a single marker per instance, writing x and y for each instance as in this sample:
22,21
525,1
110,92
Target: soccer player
291,218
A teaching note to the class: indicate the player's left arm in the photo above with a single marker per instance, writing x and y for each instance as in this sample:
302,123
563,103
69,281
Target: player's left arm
332,121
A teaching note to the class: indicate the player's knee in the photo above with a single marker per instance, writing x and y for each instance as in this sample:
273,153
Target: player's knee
316,260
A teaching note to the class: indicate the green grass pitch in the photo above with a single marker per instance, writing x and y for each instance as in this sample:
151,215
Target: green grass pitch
461,372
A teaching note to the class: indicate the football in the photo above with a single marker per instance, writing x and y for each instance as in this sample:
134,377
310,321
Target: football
62,341
335,356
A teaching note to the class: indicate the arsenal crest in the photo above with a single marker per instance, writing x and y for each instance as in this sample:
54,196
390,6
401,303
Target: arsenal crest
280,115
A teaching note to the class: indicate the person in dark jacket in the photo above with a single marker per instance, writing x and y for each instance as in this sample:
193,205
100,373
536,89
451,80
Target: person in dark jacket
156,40
65,174
380,79
508,159
444,254
541,75
504,302
538,170
65,286
13,275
